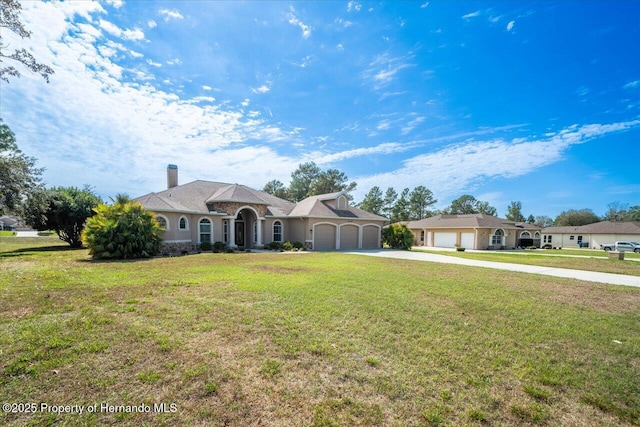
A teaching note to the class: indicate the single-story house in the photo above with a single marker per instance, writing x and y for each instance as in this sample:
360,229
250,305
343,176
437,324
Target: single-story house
473,231
591,235
241,217
8,223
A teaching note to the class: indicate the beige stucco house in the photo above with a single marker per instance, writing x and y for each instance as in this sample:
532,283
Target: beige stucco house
473,231
241,217
592,235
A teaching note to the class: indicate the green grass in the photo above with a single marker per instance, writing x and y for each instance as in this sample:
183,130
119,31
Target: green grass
312,340
602,264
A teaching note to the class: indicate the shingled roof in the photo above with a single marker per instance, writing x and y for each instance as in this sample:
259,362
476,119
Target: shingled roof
468,221
602,227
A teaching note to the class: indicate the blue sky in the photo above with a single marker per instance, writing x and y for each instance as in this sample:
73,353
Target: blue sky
531,101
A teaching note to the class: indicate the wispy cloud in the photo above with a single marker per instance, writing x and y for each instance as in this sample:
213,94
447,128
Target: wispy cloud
632,85
170,14
471,15
510,25
384,69
354,6
293,20
127,34
261,89
459,167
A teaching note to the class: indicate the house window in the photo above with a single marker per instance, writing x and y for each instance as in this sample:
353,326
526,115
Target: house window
579,239
497,237
183,224
342,202
571,237
277,231
205,230
422,235
537,235
225,231
162,222
525,235
547,239
255,231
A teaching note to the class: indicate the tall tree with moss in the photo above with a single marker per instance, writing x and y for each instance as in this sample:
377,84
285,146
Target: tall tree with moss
123,230
514,212
19,176
420,201
373,201
10,19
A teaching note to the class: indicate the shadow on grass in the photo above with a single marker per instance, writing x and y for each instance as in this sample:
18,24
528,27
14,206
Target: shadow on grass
29,251
114,261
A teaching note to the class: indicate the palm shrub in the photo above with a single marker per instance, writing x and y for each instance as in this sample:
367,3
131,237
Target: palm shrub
398,236
123,230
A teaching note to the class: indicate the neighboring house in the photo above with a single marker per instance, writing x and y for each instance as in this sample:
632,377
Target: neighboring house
239,216
473,231
7,223
591,235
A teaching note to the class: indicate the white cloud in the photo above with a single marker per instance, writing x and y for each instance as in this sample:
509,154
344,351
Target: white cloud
261,89
632,85
354,6
340,47
424,5
510,25
471,15
154,64
383,69
205,87
457,168
138,128
115,3
133,35
152,23
174,61
170,14
293,20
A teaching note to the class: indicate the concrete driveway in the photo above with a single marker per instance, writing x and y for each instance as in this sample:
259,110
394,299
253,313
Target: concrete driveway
590,276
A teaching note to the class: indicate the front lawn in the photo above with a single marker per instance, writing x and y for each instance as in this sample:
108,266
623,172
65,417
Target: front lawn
604,265
314,339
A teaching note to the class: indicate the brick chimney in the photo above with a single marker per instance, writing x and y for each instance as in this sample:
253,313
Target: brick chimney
172,176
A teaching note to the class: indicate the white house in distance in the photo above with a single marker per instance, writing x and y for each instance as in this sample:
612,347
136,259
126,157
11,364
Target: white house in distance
591,235
473,231
241,217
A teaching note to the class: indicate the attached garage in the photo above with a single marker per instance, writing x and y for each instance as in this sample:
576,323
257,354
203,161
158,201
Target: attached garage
324,237
444,240
349,237
370,237
466,240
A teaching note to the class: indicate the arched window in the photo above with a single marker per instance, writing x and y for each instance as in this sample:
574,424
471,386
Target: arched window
342,202
162,222
183,224
277,231
497,238
225,231
205,230
525,235
537,235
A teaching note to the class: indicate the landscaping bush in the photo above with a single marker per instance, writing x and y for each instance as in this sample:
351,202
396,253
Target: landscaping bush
230,251
547,246
220,246
205,246
298,245
460,248
397,236
287,246
123,230
275,246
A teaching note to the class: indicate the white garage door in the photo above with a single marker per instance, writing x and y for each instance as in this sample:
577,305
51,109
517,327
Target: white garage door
466,240
370,239
349,237
444,240
324,237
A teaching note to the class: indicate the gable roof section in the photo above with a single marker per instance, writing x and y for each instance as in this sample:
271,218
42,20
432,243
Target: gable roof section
602,227
316,207
469,221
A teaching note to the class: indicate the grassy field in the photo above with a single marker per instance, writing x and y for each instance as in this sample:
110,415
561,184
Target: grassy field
603,264
309,339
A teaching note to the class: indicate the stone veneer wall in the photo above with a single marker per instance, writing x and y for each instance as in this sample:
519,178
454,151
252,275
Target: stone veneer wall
231,207
177,248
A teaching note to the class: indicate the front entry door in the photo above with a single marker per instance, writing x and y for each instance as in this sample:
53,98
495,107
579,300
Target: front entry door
240,234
